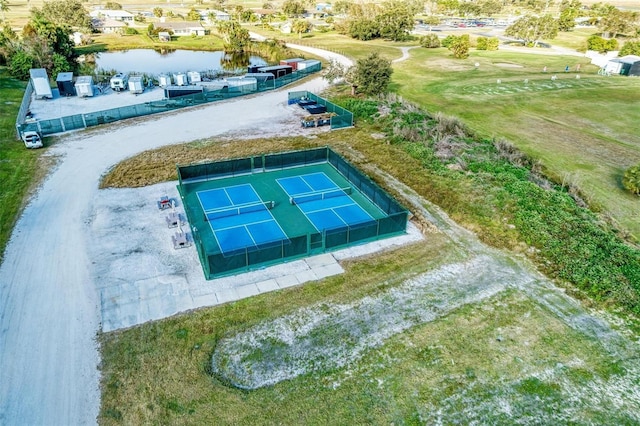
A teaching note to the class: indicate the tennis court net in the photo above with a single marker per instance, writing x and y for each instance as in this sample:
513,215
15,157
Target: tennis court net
237,210
319,195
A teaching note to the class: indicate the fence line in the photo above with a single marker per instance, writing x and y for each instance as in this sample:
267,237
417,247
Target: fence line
80,121
24,107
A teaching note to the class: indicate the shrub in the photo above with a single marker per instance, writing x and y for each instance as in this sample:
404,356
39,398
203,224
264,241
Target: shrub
601,45
130,31
430,41
630,48
631,180
448,40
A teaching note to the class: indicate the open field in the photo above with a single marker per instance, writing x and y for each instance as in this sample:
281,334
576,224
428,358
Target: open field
584,132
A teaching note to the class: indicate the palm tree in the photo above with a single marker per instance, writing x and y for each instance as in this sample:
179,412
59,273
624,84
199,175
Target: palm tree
4,7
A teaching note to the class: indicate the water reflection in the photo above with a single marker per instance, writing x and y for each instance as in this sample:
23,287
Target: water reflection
154,62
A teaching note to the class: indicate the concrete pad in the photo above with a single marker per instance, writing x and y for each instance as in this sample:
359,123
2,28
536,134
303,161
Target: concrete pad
266,286
204,300
305,276
247,291
321,260
287,281
328,270
227,295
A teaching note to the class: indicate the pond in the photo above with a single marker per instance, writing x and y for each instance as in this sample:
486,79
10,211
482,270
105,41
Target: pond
152,62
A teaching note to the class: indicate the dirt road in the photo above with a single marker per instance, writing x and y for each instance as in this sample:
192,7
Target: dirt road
49,313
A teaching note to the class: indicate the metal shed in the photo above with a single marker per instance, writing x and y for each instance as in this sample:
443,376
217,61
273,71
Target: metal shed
64,81
40,82
136,84
84,86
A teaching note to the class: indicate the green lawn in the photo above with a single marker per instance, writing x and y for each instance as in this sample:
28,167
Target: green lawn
18,166
584,132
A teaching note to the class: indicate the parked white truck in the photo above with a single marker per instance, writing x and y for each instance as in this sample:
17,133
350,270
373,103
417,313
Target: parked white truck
31,139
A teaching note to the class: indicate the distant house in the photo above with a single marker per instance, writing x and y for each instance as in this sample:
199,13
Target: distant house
263,13
215,15
116,15
164,36
185,28
108,26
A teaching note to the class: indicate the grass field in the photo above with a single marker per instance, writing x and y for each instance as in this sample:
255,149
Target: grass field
584,132
18,166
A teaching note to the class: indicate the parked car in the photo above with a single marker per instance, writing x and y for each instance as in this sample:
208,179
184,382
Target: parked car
31,139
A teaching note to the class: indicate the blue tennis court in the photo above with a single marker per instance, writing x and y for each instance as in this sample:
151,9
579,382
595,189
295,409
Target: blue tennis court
239,219
325,204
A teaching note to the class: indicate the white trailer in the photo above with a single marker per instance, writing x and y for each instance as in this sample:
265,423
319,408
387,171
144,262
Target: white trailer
164,80
194,77
136,84
181,79
40,81
119,82
84,86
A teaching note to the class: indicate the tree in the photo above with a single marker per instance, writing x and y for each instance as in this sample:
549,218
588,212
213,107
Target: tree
63,12
531,29
235,38
4,7
396,20
569,11
292,8
363,29
193,15
630,48
300,26
341,7
158,12
112,5
490,7
487,43
460,46
371,75
631,180
618,22
467,8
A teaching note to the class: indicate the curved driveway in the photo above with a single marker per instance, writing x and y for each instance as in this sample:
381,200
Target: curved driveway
49,309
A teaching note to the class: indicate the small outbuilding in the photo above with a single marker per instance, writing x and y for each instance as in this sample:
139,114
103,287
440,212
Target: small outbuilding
180,79
84,86
308,63
40,82
171,92
193,77
64,81
164,36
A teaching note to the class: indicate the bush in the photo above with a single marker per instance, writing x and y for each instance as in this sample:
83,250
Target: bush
430,41
601,45
448,40
631,180
130,31
481,43
630,48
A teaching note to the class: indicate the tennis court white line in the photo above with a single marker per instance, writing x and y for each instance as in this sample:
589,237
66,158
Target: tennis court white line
210,190
243,224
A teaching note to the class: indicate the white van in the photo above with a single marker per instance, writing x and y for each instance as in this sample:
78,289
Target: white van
31,139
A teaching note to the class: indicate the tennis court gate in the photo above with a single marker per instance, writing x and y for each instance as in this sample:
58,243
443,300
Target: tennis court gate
217,264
